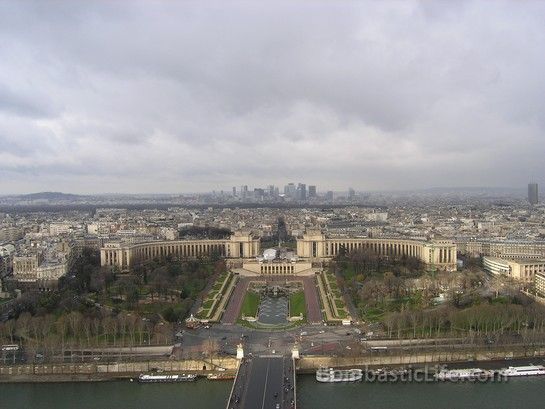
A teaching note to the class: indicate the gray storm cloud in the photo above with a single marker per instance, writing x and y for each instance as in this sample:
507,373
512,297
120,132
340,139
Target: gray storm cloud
195,96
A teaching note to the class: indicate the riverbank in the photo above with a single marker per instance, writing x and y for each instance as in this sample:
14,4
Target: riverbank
65,378
98,372
308,364
111,371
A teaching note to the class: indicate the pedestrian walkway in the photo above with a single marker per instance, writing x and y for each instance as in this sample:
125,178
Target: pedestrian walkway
314,312
235,302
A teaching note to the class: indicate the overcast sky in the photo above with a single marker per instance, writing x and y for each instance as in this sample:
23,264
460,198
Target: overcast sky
179,96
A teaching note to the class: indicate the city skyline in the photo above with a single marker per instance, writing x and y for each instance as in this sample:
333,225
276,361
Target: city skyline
190,97
263,198
508,191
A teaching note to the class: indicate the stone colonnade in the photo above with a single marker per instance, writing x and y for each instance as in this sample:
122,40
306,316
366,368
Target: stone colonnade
440,253
125,256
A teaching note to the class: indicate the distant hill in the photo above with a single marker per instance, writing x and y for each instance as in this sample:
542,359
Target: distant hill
50,196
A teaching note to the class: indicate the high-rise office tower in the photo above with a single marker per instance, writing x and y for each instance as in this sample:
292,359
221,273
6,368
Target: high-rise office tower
329,195
532,193
351,193
234,191
312,191
302,191
290,190
259,193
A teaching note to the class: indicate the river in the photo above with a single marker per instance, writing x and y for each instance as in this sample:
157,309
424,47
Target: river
527,393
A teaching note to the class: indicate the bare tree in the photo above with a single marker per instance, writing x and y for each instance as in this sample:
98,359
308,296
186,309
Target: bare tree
9,329
86,325
47,325
111,328
35,326
96,324
74,321
122,321
132,320
23,323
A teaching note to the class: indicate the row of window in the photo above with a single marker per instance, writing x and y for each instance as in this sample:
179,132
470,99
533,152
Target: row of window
278,269
332,249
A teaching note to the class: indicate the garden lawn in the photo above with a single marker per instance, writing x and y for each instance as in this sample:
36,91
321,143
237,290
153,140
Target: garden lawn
297,304
250,304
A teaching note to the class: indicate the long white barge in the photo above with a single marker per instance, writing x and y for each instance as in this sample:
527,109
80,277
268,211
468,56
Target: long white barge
470,374
145,378
338,375
528,370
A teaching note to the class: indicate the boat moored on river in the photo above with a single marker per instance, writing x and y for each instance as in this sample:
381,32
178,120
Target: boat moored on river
220,376
145,378
338,375
529,370
469,374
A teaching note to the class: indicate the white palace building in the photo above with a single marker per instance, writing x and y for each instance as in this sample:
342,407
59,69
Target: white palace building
243,250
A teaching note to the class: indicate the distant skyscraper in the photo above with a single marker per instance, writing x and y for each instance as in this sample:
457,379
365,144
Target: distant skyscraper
532,193
302,191
244,191
329,195
351,193
234,191
311,191
290,190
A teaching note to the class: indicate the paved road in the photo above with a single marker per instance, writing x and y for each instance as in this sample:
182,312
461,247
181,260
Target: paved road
232,311
264,383
314,313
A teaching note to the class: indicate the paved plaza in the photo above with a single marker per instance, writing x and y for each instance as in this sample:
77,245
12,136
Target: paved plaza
274,312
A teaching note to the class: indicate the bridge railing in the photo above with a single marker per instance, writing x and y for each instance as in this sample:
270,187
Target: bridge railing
234,384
